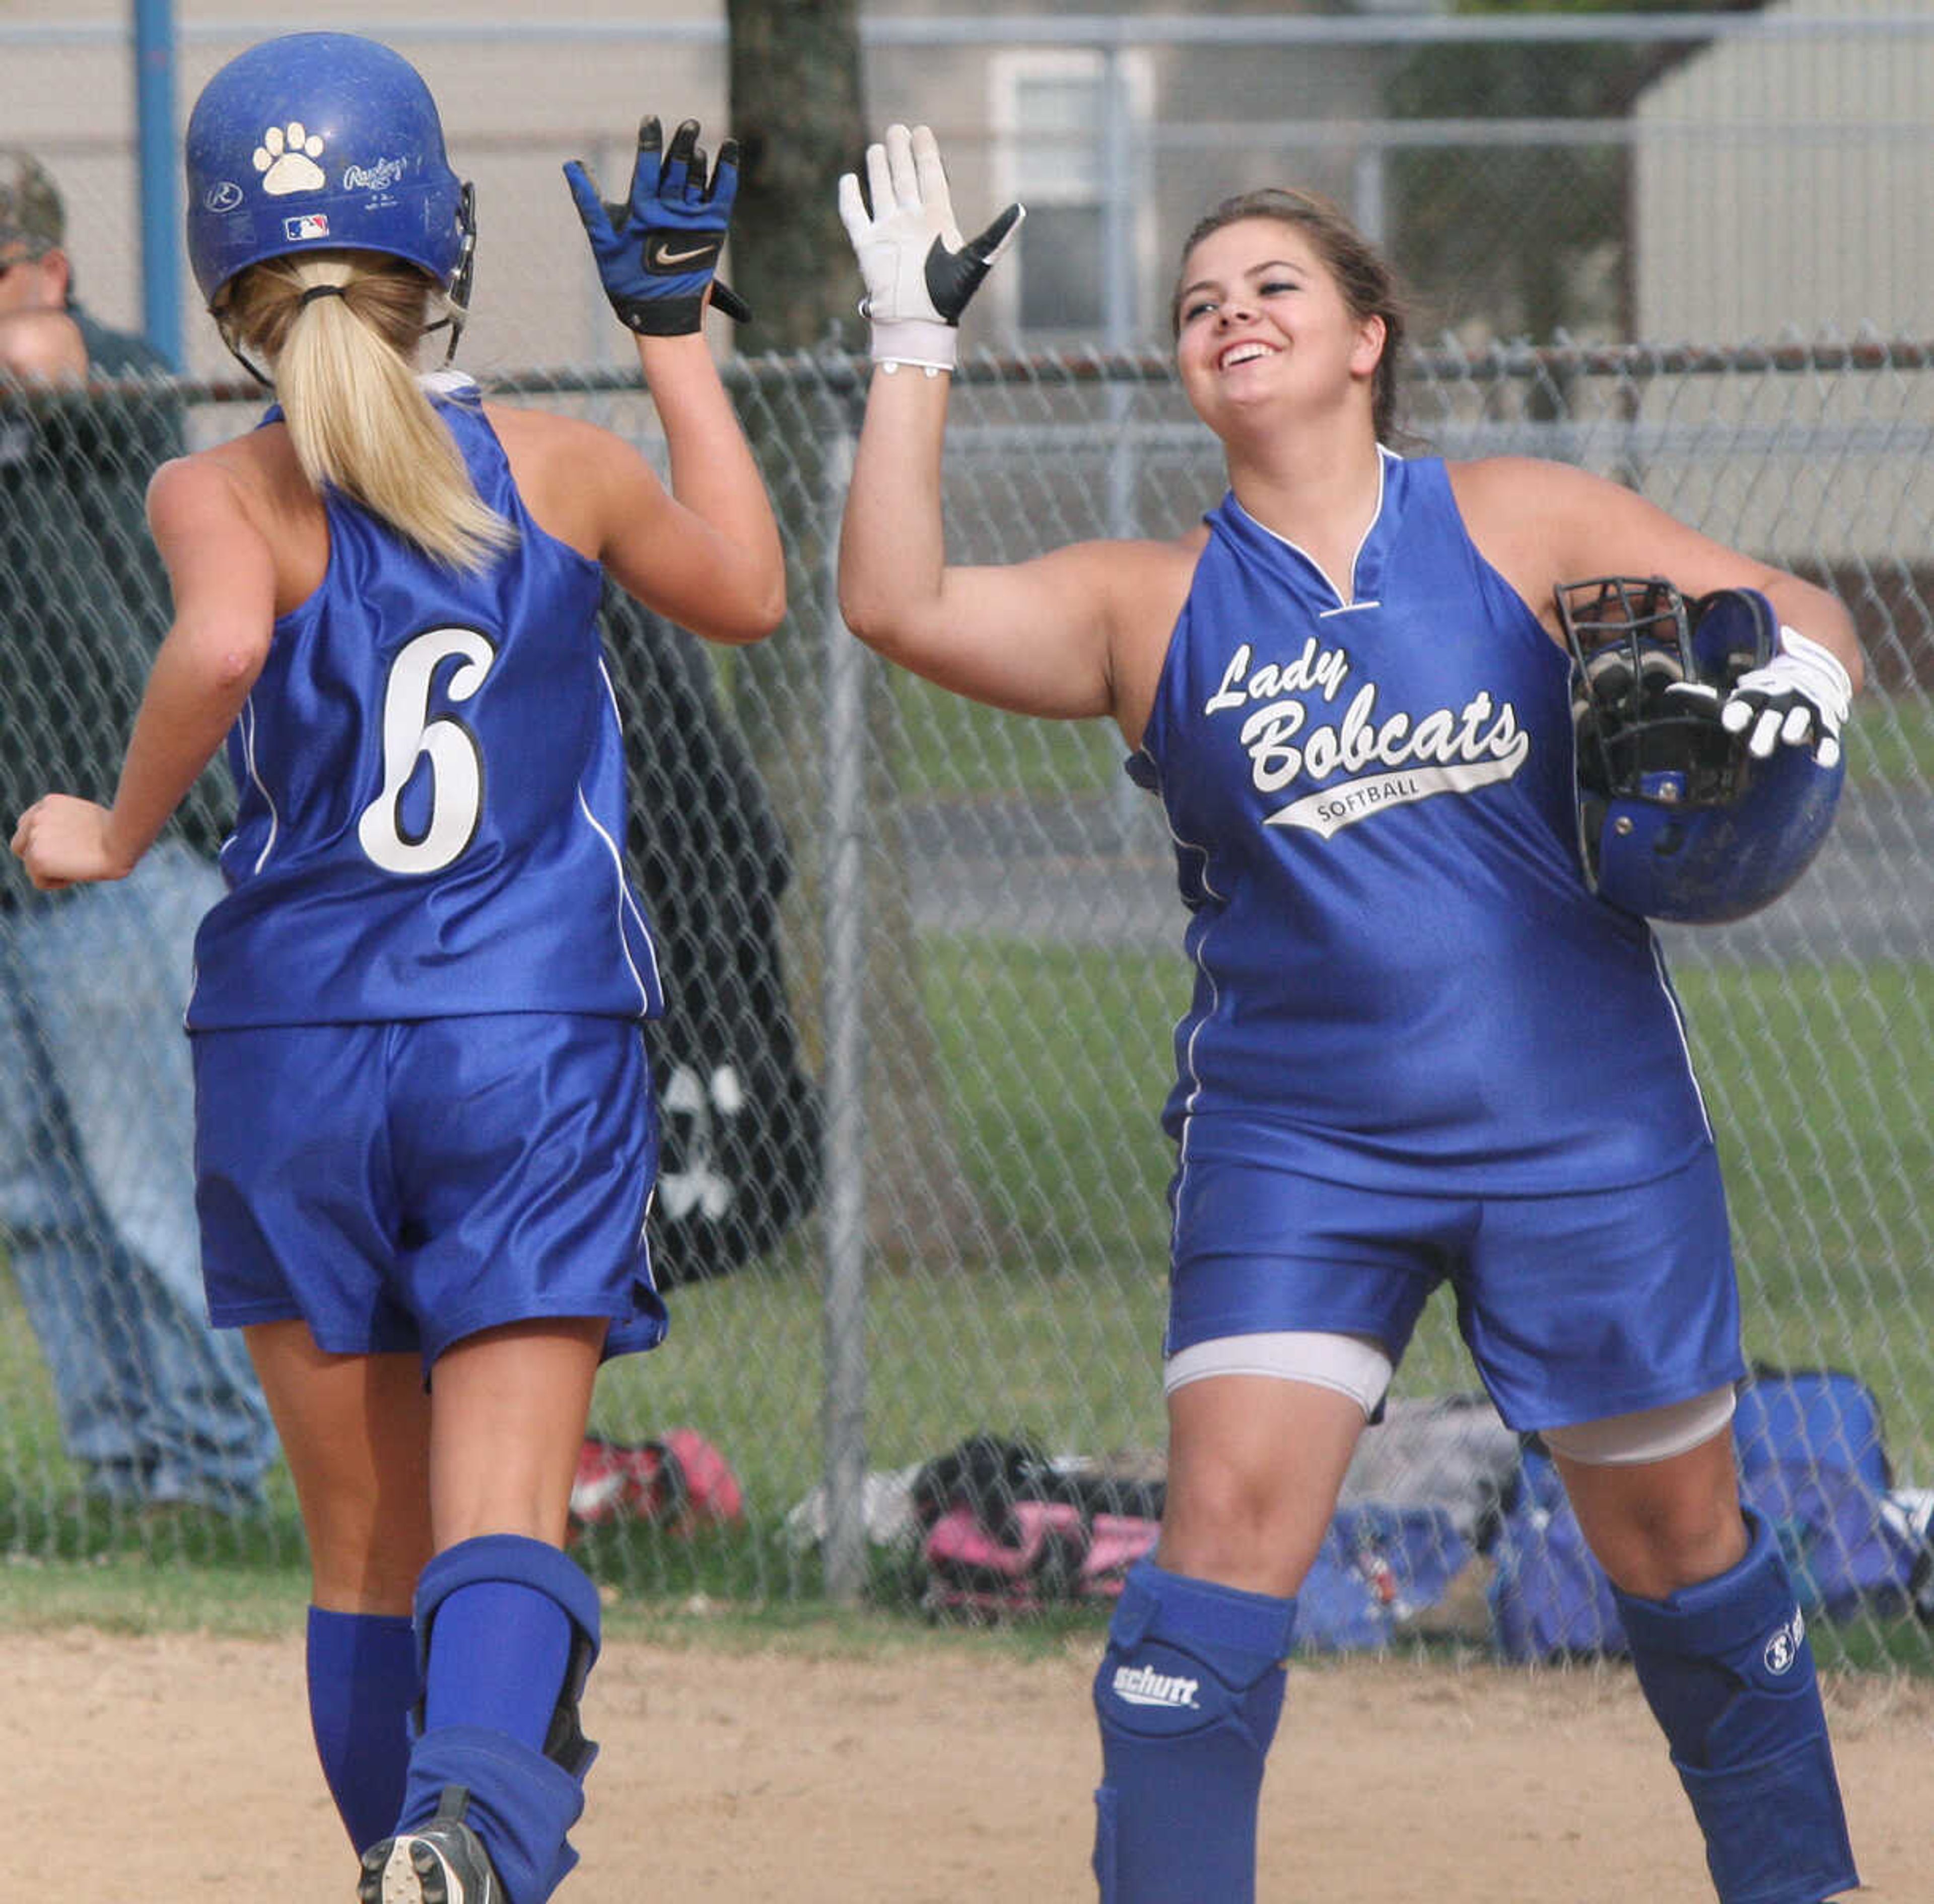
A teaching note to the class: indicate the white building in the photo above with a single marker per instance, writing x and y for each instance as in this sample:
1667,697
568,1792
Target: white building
1784,179
1783,191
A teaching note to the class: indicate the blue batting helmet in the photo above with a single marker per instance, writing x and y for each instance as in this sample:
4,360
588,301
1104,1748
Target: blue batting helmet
321,141
1676,820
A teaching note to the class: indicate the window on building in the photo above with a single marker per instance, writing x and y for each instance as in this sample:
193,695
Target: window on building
1051,114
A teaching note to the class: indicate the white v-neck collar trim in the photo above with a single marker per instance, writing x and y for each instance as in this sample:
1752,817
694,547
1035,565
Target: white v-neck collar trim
1345,604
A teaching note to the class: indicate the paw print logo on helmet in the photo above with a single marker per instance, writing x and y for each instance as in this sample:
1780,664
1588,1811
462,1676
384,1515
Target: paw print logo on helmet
286,159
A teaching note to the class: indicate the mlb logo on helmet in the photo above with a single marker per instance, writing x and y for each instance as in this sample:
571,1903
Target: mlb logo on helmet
311,224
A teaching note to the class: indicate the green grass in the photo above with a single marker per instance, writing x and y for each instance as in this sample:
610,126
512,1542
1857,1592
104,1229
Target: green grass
131,1592
1818,1081
1058,1058
1054,1060
1891,741
949,747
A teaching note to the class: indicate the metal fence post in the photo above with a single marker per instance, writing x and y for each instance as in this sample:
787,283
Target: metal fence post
1120,153
1370,187
160,171
843,1553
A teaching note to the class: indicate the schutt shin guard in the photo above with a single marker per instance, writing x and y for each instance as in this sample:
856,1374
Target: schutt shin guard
522,1801
1188,1696
1726,1669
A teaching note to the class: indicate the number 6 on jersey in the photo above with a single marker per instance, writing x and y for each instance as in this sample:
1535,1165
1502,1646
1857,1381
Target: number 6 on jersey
410,735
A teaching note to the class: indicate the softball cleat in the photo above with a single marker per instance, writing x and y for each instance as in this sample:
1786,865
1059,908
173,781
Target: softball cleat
443,1862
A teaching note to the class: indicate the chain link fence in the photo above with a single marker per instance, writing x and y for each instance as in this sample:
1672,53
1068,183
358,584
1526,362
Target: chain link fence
923,960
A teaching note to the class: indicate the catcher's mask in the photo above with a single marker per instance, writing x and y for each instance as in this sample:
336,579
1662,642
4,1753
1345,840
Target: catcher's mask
1675,820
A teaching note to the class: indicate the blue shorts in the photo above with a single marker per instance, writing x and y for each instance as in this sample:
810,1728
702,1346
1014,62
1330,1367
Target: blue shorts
1574,1307
400,1186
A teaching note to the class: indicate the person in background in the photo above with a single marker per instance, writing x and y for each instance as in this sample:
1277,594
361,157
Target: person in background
97,1188
425,1136
1426,1045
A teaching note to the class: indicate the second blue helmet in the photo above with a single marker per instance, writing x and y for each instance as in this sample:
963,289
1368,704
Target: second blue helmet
1676,819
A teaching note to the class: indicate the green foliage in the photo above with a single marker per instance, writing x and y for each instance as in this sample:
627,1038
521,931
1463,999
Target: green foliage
1520,239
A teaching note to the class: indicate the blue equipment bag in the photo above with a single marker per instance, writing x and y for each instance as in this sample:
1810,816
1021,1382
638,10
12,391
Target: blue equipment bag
1378,1566
1549,1599
1812,1461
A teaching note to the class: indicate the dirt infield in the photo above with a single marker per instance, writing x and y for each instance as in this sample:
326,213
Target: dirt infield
177,1769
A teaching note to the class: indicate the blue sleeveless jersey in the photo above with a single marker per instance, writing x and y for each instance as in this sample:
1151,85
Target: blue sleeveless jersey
431,790
1402,980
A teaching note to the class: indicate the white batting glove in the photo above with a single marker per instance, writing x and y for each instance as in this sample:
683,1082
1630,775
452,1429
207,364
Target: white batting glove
1800,697
920,272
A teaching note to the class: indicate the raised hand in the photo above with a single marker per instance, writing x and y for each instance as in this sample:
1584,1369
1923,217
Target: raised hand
657,252
920,272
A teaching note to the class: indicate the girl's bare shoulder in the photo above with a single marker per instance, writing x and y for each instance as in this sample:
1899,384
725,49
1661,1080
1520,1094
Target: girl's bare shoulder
252,486
1148,582
546,437
1132,587
574,476
1136,576
261,462
241,477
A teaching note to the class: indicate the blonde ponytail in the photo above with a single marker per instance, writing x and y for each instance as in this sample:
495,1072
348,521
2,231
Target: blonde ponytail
339,331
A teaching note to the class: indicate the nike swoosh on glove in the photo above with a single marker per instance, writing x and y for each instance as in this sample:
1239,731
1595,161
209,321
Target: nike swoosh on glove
657,252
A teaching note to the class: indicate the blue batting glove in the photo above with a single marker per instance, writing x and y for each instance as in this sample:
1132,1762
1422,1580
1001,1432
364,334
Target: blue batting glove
657,252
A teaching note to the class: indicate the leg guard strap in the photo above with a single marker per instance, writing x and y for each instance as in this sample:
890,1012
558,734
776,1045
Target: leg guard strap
1188,1697
1727,1669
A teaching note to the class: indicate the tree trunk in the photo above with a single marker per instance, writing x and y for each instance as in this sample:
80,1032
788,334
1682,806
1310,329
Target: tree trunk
794,78
795,109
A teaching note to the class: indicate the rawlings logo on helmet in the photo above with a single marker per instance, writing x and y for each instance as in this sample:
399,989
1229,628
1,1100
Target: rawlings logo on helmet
379,177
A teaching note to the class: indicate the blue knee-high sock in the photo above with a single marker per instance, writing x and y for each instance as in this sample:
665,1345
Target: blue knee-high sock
361,1684
1726,1670
500,1713
1188,1697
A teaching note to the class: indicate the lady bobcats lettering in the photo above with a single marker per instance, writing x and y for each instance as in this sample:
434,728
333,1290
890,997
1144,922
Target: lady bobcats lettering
1462,748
